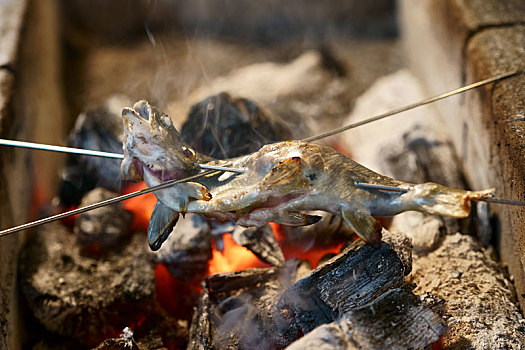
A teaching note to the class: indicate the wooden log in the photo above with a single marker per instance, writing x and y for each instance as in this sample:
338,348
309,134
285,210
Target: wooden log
398,319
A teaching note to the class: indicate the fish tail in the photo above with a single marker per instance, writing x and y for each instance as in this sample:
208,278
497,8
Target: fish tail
434,199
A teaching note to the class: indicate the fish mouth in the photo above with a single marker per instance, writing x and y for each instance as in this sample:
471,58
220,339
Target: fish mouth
133,170
151,143
141,109
166,175
139,119
136,118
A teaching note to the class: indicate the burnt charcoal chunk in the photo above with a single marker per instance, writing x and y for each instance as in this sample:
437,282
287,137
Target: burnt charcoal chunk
235,309
106,225
187,250
398,319
348,281
271,308
224,127
98,129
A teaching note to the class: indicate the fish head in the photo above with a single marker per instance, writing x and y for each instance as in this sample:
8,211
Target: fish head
151,143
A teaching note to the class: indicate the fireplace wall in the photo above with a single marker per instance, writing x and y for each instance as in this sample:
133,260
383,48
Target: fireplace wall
447,41
31,109
10,161
455,42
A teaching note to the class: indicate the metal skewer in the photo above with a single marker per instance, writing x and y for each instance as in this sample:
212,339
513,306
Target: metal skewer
172,182
404,190
413,105
205,166
41,146
380,187
99,204
87,152
308,139
221,168
501,201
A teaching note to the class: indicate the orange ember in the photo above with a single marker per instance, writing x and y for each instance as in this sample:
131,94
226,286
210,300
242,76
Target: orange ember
340,148
69,221
313,254
438,345
175,296
233,258
141,206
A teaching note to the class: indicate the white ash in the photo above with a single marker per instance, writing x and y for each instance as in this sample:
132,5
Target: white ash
106,225
302,92
425,231
268,81
127,336
368,142
479,299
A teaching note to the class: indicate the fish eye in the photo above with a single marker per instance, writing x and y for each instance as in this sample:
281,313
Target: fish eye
166,121
188,152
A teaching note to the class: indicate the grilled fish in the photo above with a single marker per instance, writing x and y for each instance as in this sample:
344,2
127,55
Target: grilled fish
280,183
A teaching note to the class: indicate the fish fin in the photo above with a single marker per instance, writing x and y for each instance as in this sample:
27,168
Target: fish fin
296,219
161,223
192,190
197,191
288,174
364,225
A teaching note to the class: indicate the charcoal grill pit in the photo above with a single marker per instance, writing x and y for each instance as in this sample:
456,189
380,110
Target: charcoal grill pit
299,63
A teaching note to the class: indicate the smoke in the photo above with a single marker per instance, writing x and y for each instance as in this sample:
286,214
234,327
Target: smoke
241,324
249,320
